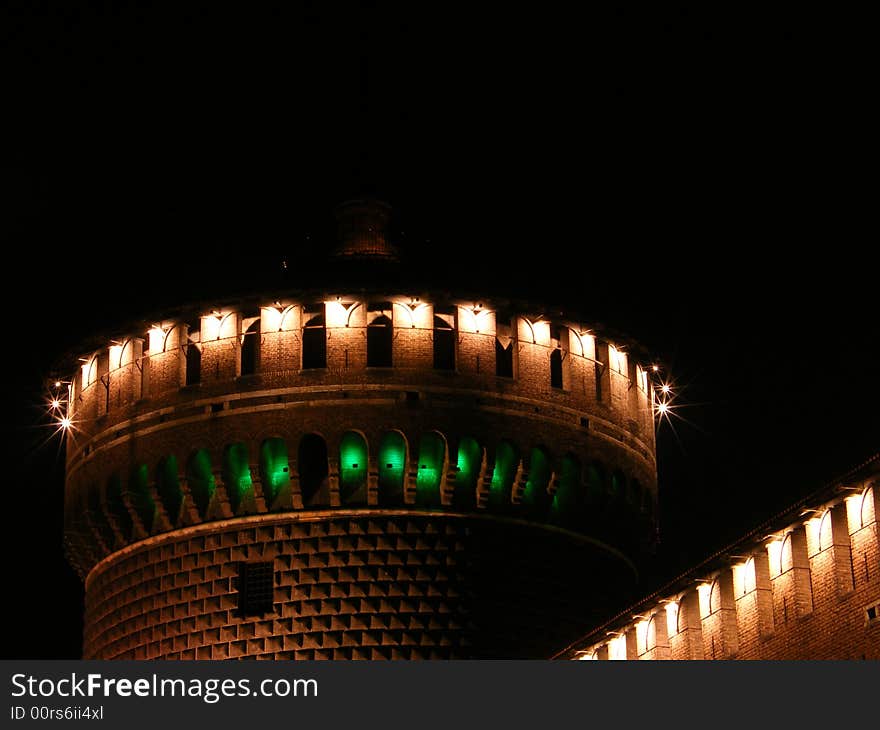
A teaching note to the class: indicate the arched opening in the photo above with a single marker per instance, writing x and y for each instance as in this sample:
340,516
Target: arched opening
535,498
595,474
392,467
168,488
274,468
193,364
314,338
117,507
353,457
432,454
568,502
380,335
250,349
444,341
200,479
139,494
556,368
313,469
506,460
618,487
236,474
715,597
469,459
636,495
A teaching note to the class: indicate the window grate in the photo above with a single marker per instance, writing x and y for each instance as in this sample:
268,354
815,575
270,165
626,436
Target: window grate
255,588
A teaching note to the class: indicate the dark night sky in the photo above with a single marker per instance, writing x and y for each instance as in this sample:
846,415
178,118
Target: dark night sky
686,178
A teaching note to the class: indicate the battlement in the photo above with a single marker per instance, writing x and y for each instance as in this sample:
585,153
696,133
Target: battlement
806,585
375,402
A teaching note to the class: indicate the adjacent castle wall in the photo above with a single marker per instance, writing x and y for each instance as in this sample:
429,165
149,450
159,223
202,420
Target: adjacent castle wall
810,591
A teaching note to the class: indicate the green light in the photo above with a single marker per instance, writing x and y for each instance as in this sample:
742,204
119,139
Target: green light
352,466
535,498
274,468
168,486
432,452
568,502
392,463
139,493
236,474
468,460
502,478
200,479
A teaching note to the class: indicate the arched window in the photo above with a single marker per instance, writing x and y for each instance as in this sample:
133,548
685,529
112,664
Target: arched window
168,488
715,597
651,636
380,335
236,474
193,364
432,455
314,337
444,341
866,508
313,469
786,558
274,468
535,498
568,502
250,349
556,368
506,461
505,345
468,460
139,494
353,468
200,480
825,531
392,467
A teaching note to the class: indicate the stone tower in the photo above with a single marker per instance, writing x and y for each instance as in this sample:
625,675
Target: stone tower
357,471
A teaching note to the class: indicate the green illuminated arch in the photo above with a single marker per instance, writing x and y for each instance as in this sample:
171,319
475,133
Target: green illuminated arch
568,502
274,468
168,487
139,494
236,474
313,467
432,455
200,479
595,474
116,504
353,468
392,467
506,460
469,459
535,499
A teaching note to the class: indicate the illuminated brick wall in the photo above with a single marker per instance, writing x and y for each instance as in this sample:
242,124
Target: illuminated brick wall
802,589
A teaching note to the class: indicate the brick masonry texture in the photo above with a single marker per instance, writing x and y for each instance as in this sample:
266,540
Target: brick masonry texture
487,577
808,589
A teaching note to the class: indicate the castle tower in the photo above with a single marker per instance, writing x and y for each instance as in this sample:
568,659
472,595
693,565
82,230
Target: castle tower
357,472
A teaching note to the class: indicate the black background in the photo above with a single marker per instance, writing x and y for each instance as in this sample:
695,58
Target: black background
691,178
